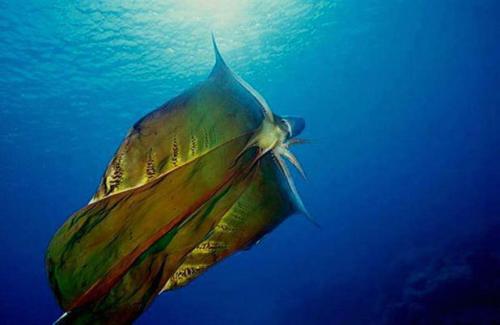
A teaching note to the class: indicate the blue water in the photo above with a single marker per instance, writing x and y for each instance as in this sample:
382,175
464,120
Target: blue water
401,100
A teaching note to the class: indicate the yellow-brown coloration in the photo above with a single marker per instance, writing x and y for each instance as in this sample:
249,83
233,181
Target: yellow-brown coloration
194,145
175,151
150,166
242,224
193,182
184,274
209,246
116,174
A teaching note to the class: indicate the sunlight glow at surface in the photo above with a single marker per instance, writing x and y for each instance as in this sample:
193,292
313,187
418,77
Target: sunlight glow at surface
160,46
222,13
246,30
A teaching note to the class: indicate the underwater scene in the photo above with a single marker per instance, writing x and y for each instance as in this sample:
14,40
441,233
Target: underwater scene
250,162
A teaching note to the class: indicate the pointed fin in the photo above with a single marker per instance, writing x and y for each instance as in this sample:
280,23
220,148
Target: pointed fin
218,56
220,66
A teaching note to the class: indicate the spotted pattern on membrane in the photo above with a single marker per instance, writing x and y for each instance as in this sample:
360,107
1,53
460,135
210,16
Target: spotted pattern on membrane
206,139
224,227
184,274
175,151
150,166
114,180
209,246
193,145
238,213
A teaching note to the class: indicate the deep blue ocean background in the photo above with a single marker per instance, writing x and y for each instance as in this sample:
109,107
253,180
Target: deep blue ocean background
401,100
